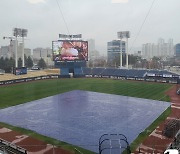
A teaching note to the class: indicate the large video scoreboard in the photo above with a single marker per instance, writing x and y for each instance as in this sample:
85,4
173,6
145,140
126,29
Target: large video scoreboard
70,50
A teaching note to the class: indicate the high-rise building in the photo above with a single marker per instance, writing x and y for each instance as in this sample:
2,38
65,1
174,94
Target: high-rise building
9,51
170,47
161,49
5,52
39,53
92,52
12,48
46,54
113,50
91,44
27,52
177,50
147,50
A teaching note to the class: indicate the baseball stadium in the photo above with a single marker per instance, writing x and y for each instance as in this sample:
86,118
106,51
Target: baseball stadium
113,91
77,109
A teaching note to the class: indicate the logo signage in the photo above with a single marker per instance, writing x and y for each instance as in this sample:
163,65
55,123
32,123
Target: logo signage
70,36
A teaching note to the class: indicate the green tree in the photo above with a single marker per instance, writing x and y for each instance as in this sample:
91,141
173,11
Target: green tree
19,62
11,62
29,62
42,63
7,66
25,60
2,63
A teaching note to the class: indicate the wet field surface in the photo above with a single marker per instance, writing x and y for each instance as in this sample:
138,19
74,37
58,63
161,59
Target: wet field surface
81,117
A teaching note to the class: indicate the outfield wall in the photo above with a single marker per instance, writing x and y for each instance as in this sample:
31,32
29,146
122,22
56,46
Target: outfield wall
7,82
56,76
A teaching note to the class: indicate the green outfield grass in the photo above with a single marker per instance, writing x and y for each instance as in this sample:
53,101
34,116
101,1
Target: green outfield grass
20,93
25,92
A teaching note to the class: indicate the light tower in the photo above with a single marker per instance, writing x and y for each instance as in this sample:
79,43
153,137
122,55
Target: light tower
121,49
16,33
124,35
19,32
127,52
24,34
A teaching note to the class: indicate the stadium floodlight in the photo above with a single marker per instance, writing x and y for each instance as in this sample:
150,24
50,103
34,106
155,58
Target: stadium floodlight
123,35
24,32
19,32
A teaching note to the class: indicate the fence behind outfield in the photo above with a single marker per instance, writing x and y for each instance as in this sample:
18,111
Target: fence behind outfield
138,75
14,81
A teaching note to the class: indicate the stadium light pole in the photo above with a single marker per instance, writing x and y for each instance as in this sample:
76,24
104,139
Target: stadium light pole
19,32
24,34
127,62
16,46
121,50
16,33
121,35
22,51
127,36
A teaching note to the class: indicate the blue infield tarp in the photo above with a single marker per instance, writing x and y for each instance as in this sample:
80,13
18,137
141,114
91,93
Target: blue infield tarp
81,117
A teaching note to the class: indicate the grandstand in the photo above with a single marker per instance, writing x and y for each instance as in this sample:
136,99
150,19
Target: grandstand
65,72
124,74
78,72
176,142
10,148
134,74
87,71
171,128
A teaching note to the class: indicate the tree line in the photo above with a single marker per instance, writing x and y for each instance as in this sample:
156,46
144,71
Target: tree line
134,61
8,64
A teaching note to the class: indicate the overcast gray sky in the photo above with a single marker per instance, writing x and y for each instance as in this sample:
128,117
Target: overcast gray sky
97,19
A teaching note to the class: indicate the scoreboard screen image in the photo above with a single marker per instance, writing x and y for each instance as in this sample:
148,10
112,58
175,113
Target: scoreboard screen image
68,50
